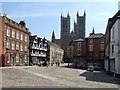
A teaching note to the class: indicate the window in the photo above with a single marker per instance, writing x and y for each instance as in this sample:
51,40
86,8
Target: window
78,51
8,32
113,33
21,47
25,38
102,55
102,40
25,47
13,34
102,46
17,35
91,41
112,49
13,46
8,44
21,38
90,47
17,58
79,44
90,55
25,58
17,46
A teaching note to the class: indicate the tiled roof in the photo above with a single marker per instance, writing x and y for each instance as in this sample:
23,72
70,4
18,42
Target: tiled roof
97,35
53,44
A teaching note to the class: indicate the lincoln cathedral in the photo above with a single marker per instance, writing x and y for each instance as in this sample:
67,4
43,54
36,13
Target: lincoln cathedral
66,35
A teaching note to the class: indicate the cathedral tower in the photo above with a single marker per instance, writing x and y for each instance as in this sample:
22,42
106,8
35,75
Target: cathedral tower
79,26
65,28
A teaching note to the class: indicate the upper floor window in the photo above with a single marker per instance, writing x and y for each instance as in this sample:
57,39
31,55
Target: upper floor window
102,40
13,46
21,38
79,44
21,47
90,47
13,34
25,38
17,35
102,46
25,47
91,41
102,55
112,49
7,44
113,33
8,32
17,46
78,51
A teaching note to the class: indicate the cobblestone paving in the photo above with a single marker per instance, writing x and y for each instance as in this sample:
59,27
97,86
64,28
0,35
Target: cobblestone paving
18,78
78,78
57,77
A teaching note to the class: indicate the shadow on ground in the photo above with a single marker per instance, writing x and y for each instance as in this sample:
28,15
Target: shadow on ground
100,76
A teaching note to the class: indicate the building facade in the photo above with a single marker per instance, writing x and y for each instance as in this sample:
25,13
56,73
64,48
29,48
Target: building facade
14,39
55,53
112,63
79,53
37,50
95,50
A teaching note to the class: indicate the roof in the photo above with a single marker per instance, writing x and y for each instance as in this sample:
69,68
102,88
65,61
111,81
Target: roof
53,44
97,35
79,39
112,20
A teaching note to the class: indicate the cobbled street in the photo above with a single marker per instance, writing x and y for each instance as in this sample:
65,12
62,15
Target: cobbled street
35,76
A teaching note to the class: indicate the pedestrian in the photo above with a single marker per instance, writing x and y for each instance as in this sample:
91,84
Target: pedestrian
47,63
56,63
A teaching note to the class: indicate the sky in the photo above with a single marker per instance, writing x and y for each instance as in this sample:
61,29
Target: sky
43,17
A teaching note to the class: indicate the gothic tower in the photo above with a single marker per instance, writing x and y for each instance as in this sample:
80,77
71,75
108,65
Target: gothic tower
65,28
65,35
79,26
53,36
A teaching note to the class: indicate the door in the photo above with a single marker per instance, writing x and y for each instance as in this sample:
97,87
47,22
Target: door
20,60
12,61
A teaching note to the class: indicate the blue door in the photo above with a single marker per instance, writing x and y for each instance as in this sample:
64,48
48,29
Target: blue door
12,61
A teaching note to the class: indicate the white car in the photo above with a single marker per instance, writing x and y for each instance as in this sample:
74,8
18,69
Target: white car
91,68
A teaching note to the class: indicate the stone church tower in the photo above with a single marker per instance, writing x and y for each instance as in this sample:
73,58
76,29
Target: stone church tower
66,36
79,26
65,28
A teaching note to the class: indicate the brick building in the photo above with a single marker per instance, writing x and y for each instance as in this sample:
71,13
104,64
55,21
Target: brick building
79,53
95,50
89,51
14,39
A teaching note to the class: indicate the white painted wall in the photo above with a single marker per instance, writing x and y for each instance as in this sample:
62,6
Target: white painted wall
115,66
118,46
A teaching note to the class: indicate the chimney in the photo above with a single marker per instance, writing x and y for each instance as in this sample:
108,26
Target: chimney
22,23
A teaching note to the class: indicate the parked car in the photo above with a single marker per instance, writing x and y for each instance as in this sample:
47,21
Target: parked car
90,68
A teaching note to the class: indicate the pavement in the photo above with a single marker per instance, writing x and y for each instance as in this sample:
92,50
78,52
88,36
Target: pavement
35,76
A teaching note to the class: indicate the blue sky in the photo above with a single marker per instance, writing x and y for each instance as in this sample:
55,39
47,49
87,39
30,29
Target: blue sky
43,17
